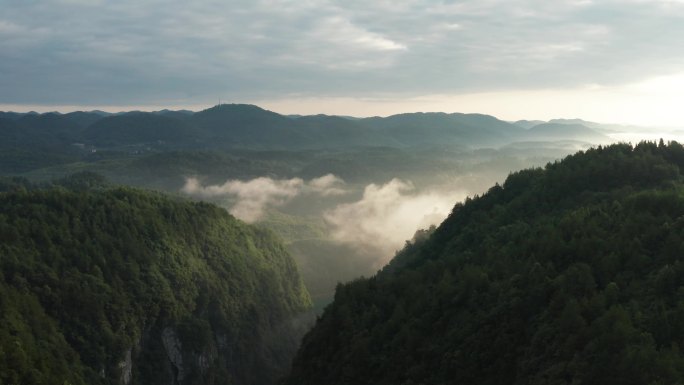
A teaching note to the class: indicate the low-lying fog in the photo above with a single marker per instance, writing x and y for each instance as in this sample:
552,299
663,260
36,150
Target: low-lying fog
339,225
379,221
347,214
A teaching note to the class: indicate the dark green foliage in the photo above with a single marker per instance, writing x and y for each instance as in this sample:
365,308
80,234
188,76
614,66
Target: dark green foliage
139,128
47,144
82,181
85,119
572,274
14,184
176,163
50,129
247,126
35,141
88,276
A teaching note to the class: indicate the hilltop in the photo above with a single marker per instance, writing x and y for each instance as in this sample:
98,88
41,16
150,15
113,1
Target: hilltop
570,273
113,285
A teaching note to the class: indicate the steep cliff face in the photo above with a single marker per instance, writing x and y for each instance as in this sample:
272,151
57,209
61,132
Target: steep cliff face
119,286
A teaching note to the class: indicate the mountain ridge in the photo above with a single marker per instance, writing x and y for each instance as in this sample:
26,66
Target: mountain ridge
566,274
102,285
249,126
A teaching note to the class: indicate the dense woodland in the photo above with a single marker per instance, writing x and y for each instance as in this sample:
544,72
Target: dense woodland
570,274
159,150
248,126
102,284
112,285
33,141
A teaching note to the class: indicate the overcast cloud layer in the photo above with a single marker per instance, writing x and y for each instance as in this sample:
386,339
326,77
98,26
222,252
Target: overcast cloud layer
125,52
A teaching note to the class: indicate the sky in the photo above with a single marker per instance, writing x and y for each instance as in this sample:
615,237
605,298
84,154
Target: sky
603,60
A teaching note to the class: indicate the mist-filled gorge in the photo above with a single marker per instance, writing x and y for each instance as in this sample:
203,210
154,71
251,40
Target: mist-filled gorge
318,217
358,231
323,192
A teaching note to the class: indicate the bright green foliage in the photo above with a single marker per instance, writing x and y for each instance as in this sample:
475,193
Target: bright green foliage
572,274
88,275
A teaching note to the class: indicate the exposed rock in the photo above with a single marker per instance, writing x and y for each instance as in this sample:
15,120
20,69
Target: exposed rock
126,369
204,361
174,350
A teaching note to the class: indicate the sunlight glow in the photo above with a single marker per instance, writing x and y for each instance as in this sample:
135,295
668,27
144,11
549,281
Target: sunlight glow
655,102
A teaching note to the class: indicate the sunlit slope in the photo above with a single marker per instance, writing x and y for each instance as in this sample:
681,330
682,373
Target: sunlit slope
121,286
568,274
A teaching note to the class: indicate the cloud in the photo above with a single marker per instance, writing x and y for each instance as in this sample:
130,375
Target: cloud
376,225
174,52
254,196
341,32
388,215
327,185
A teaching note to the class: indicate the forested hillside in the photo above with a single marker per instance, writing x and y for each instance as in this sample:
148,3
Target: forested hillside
431,153
571,274
107,285
31,141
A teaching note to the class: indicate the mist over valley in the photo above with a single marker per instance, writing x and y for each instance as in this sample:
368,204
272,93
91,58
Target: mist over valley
323,192
344,194
331,200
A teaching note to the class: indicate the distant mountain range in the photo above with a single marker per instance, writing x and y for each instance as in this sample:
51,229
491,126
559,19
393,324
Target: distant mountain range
30,141
249,126
565,131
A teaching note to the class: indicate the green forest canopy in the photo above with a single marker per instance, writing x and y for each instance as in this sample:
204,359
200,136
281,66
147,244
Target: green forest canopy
90,273
571,274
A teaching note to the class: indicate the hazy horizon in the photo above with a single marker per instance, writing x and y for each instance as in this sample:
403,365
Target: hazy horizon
293,110
609,61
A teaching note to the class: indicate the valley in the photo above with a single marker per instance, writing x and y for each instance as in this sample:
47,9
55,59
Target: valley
199,248
389,177
326,192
